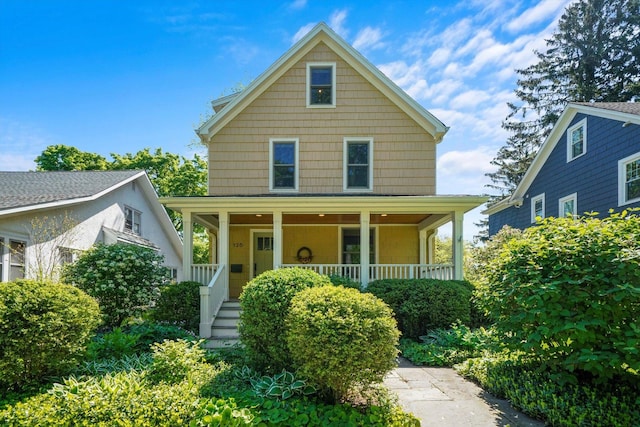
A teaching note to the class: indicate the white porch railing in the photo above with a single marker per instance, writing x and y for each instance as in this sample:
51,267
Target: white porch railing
211,296
203,273
383,271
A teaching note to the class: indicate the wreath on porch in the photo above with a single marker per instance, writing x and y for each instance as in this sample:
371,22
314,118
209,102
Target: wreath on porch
304,255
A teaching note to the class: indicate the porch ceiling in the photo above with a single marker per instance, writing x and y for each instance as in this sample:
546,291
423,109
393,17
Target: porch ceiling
298,219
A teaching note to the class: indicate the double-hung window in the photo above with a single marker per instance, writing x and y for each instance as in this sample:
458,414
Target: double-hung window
17,250
577,140
283,168
358,164
321,84
568,205
629,180
537,207
132,220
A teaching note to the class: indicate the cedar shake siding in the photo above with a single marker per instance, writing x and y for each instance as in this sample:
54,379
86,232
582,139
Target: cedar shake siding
403,152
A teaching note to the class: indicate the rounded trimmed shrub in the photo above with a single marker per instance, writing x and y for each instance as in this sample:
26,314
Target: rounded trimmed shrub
423,305
123,278
44,330
265,302
341,339
179,304
568,292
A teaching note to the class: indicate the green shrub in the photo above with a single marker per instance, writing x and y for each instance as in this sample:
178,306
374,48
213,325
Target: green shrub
179,304
446,347
44,330
123,278
568,292
149,333
538,393
265,304
422,305
340,338
174,360
345,281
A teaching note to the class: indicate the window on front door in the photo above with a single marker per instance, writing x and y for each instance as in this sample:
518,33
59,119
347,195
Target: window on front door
358,167
283,174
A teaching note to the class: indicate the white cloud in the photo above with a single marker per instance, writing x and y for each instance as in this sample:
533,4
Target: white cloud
16,162
469,99
368,38
337,21
542,11
471,163
303,31
20,144
298,4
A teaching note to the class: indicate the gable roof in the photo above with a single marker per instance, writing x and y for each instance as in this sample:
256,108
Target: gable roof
625,112
321,33
22,191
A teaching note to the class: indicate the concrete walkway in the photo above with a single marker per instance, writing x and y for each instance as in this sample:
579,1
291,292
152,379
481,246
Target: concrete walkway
440,397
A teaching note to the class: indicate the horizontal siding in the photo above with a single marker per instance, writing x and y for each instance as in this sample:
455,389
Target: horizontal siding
404,154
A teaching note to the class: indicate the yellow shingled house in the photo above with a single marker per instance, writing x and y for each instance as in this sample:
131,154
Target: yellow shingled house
321,162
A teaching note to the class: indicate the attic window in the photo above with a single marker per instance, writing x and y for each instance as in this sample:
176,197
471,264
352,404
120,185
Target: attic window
577,140
132,220
321,88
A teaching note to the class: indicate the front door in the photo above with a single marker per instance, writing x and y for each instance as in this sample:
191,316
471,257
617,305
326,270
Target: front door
262,253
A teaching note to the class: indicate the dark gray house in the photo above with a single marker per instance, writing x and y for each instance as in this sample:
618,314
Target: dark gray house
590,162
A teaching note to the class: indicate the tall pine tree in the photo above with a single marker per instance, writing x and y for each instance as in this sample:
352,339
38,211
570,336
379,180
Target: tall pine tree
594,55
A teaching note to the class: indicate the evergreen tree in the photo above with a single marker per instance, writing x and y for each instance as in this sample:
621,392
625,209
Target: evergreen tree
594,56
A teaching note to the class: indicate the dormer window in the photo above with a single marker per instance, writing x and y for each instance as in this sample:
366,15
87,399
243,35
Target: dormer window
132,220
321,88
577,140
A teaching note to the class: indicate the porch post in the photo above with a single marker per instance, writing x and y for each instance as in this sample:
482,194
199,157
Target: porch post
223,247
277,239
187,244
458,245
364,247
423,247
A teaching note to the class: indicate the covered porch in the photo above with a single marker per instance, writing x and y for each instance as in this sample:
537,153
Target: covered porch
364,238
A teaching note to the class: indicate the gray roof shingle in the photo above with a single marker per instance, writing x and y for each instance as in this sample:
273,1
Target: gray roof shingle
622,107
20,189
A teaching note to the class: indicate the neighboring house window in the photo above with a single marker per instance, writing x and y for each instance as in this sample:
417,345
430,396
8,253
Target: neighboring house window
358,168
1,259
568,205
629,179
537,207
65,256
321,87
16,259
172,273
132,220
283,158
577,140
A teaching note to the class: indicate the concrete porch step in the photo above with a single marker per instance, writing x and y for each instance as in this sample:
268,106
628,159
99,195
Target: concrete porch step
224,331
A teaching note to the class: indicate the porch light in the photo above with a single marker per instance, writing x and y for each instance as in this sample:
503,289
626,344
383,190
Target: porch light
320,214
258,215
383,214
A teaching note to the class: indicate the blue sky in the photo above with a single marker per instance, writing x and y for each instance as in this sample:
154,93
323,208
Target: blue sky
111,76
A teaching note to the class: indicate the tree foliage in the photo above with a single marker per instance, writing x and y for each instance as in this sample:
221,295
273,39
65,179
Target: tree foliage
567,292
64,158
594,55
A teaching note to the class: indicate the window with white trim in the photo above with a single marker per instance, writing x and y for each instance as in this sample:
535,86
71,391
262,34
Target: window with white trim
568,205
537,207
577,140
358,164
629,180
2,261
17,249
321,84
132,220
283,164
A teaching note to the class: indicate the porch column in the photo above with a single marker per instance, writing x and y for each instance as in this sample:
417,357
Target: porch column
187,244
223,247
364,247
458,245
277,239
423,248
